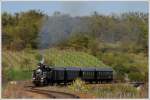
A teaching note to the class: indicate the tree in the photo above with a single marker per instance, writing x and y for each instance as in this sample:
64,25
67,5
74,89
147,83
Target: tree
21,30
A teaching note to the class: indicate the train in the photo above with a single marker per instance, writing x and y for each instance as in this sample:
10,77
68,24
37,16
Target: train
45,75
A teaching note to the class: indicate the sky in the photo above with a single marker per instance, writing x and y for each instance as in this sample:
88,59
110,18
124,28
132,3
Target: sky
78,8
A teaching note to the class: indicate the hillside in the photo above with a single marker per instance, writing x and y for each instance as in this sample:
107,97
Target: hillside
19,65
71,58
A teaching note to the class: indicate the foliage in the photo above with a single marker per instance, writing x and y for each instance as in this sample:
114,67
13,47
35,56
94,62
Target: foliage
13,74
117,90
78,86
18,65
21,30
127,63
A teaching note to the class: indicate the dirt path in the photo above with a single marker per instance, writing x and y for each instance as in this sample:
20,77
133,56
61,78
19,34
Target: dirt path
25,89
54,94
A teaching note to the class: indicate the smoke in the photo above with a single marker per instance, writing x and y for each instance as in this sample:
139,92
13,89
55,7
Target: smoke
42,61
58,28
53,31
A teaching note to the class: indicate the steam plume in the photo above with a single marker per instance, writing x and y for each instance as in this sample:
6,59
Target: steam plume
59,27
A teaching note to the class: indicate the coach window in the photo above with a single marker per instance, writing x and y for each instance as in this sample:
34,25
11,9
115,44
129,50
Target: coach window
76,73
72,73
90,74
86,73
107,74
100,74
104,73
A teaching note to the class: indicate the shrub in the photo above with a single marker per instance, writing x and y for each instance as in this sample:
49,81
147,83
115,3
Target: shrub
125,63
78,86
136,76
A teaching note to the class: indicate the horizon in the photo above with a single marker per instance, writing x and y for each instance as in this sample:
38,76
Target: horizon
76,8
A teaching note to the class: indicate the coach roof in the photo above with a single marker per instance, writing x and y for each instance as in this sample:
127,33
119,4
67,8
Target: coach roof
73,68
88,69
84,68
104,69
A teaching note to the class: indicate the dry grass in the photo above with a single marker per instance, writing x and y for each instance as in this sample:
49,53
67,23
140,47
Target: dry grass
17,90
116,90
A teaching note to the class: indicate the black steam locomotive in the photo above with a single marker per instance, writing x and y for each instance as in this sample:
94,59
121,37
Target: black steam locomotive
45,75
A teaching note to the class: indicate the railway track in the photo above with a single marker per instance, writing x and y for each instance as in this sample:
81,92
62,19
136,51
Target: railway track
51,93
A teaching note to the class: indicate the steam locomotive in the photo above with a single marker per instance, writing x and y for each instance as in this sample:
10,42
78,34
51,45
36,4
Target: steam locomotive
45,75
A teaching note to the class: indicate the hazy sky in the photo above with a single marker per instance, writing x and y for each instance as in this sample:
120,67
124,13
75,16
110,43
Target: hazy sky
76,8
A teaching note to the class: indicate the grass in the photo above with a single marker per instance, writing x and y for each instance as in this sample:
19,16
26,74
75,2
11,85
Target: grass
116,90
71,58
19,75
19,65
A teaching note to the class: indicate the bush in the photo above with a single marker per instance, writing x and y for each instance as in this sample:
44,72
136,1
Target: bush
125,63
135,76
79,86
